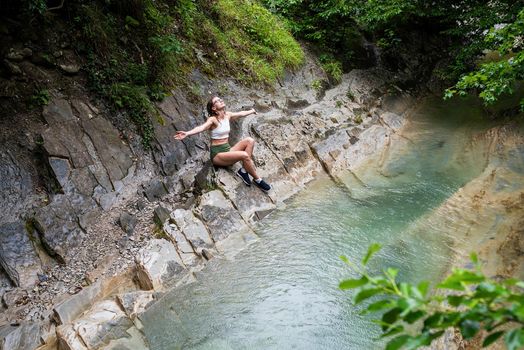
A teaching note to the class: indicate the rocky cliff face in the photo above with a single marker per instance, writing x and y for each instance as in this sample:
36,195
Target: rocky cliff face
82,209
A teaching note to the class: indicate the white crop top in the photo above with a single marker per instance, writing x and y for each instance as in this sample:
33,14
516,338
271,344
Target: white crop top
222,130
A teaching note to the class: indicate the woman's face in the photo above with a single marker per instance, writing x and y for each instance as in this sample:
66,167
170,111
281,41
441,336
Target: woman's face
218,103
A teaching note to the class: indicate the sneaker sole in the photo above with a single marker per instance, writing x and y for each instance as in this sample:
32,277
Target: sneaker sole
244,181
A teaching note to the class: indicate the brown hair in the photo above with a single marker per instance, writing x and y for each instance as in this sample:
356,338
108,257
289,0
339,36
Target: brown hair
209,107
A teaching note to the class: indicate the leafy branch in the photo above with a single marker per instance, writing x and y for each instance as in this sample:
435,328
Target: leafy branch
493,79
413,315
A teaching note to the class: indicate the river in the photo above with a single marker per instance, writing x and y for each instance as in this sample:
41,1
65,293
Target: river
281,292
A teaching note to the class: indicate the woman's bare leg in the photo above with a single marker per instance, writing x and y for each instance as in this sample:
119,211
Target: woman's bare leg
231,157
247,144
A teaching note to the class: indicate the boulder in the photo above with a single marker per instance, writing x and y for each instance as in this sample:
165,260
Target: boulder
68,339
337,159
5,283
246,200
194,230
74,306
158,265
23,337
127,222
114,154
63,136
58,223
104,322
185,249
17,255
291,150
70,68
15,297
219,215
134,303
155,190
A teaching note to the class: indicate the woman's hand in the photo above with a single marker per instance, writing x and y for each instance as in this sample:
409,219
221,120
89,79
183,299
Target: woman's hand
252,111
180,135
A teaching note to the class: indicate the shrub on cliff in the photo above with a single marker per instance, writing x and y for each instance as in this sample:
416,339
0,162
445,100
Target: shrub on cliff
136,51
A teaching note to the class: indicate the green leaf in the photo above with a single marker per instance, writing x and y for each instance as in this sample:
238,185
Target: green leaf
380,305
514,338
474,258
469,328
423,288
365,294
414,316
392,272
458,279
375,247
455,300
344,259
392,331
404,289
450,319
390,317
353,283
433,321
490,339
398,342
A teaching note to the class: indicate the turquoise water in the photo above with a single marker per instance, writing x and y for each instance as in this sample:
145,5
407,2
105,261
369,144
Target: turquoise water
281,291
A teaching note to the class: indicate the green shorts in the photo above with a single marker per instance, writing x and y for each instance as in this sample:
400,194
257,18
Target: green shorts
219,149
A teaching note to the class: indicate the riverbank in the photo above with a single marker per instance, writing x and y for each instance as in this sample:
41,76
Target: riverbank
404,188
295,142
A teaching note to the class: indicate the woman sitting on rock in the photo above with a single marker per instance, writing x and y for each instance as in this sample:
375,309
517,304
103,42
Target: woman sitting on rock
222,154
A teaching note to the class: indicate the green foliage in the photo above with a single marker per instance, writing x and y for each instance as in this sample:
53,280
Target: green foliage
40,98
136,101
331,24
499,77
254,43
317,85
327,23
332,67
413,316
37,6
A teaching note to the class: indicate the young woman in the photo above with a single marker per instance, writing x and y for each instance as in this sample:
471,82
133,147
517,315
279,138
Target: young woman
222,154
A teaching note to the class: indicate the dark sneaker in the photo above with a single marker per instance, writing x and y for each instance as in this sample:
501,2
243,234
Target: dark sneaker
244,176
264,186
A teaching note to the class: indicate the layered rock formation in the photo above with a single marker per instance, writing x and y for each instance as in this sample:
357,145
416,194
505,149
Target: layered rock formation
105,193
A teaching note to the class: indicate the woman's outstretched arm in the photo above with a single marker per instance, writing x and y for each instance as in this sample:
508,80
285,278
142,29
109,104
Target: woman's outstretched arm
241,114
180,135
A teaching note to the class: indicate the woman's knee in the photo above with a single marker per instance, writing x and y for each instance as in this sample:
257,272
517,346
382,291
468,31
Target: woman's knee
245,155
